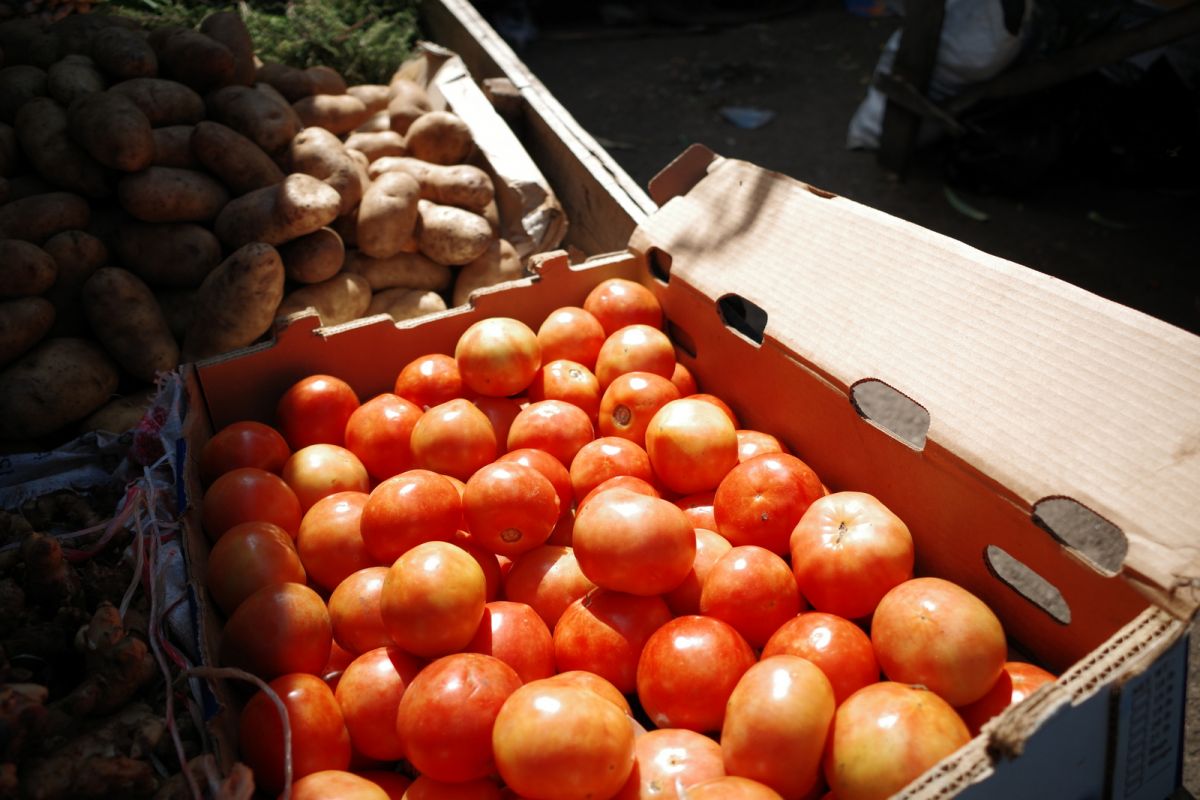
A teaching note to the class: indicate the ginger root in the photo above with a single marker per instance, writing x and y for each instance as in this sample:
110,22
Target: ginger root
117,665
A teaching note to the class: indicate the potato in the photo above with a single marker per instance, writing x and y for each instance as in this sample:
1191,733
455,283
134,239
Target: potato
339,299
76,254
240,163
179,309
388,214
27,185
122,53
167,194
317,152
459,185
121,413
374,96
170,254
379,121
25,269
173,147
326,80
408,101
439,137
193,58
257,114
377,144
228,28
163,102
38,217
313,257
43,131
10,150
491,212
75,32
276,214
59,382
346,226
23,41
129,323
24,322
113,130
403,270
18,85
499,263
236,303
450,235
72,77
336,113
402,304
291,82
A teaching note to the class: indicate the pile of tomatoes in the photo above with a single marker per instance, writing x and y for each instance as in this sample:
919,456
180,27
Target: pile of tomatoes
548,567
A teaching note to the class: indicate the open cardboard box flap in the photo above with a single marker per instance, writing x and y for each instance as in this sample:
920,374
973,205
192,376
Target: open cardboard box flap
1049,390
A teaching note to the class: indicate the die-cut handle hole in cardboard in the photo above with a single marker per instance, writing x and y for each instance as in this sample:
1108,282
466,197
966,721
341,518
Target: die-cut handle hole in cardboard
659,262
1099,542
891,410
1016,575
742,316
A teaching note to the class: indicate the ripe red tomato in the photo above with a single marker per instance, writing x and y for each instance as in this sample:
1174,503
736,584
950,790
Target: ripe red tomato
429,380
426,788
455,438
249,494
1017,681
760,501
314,410
617,302
635,348
393,783
692,445
501,412
547,579
753,590
713,400
683,380
604,632
379,432
604,458
243,444
509,508
630,402
685,598
627,482
732,787
699,508
558,428
281,628
320,740
319,470
848,550
669,758
571,333
447,714
885,735
488,561
555,742
498,356
336,784
433,599
515,634
354,611
330,543
932,632
776,724
369,693
688,670
756,443
551,468
835,644
406,510
248,557
583,679
632,543
570,382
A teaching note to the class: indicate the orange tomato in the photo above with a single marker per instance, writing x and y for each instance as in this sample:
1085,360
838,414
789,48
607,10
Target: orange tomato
635,348
330,542
498,356
669,758
314,410
551,468
509,508
331,784
692,445
604,458
455,438
630,402
369,693
1017,681
753,590
683,380
379,432
573,334
319,470
547,579
617,302
835,644
500,411
632,543
249,494
760,501
685,598
281,628
354,611
406,510
554,426
243,444
248,557
604,633
433,598
570,382
429,380
514,633
755,443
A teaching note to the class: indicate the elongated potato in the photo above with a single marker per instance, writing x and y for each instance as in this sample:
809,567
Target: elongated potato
408,101
25,269
459,185
227,28
173,147
123,53
121,413
388,214
241,164
43,132
336,113
59,382
319,153
168,254
193,58
439,137
38,217
76,254
499,263
298,205
450,235
236,303
375,123
258,114
166,194
326,80
18,85
129,323
339,299
73,76
164,102
313,257
291,82
401,304
113,130
24,322
403,270
374,96
377,144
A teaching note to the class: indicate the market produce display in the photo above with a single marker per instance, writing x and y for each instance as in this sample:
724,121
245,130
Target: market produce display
511,577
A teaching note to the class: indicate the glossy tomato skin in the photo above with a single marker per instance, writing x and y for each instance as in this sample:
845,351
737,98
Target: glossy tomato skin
426,788
280,628
604,632
336,784
618,302
515,634
433,599
685,598
501,412
632,543
1017,681
498,356
248,557
760,500
509,508
429,380
687,671
551,468
884,736
571,333
446,715
315,410
455,439
369,693
392,783
554,426
841,649
732,787
692,446
635,348
354,611
683,379
753,443
379,432
753,590
406,510
848,550
249,494
547,579
330,539
584,679
570,382
627,482
607,457
666,756
243,444
319,470
699,508
630,401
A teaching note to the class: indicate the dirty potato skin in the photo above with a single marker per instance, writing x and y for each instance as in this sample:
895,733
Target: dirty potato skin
449,235
298,205
313,257
236,303
241,164
168,254
25,269
39,216
339,299
168,194
129,323
23,323
59,382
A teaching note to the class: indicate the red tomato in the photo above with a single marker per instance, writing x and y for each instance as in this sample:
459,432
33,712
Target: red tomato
393,783
604,458
628,542
712,399
339,659
369,693
249,494
558,428
753,590
683,380
885,735
848,550
320,740
498,356
732,787
627,482
692,445
433,599
379,432
688,670
564,530
604,632
760,501
617,302
406,510
320,470
281,628
630,402
429,380
488,561
573,334
555,742
242,444
551,468
501,412
1017,681
755,443
935,633
570,382
776,723
699,508
426,788
583,679
447,714
835,644
330,542
547,579
635,348
248,557
354,611
668,758
315,410
509,508
685,598
515,634
455,438
336,784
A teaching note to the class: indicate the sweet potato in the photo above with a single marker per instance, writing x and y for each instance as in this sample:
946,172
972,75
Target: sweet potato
193,58
313,257
326,80
499,263
38,217
336,113
236,303
374,96
25,269
76,254
173,147
43,132
319,153
169,254
387,214
377,144
59,382
24,322
404,270
459,185
258,114
73,76
450,235
401,304
227,28
439,137
122,53
408,101
241,164
121,413
129,323
339,299
18,85
298,205
113,130
164,102
167,194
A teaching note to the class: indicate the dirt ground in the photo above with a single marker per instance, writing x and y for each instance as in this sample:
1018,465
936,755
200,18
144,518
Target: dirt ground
649,79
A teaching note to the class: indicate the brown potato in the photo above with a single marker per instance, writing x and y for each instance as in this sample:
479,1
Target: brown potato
73,76
18,85
236,303
401,304
179,309
459,185
403,270
38,217
326,80
75,32
43,132
25,269
240,163
336,113
319,153
227,28
173,147
379,121
58,382
374,96
129,323
122,53
276,214
339,299
377,144
257,114
409,100
166,194
24,322
193,58
10,151
170,254
498,264
163,102
291,82
121,413
450,235
77,254
313,257
113,130
24,41
439,137
387,215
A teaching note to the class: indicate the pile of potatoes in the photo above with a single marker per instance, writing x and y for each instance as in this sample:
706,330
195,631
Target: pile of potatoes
165,196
